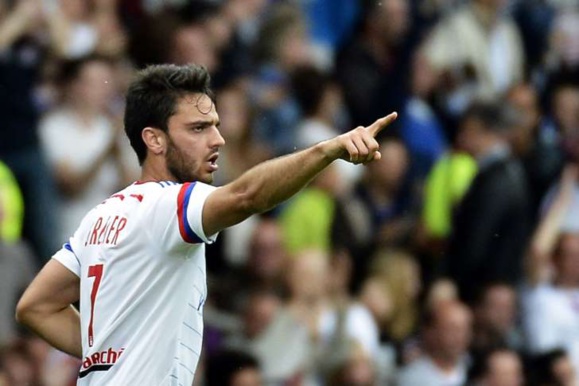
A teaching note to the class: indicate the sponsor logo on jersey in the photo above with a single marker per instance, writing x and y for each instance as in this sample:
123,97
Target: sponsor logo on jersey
100,361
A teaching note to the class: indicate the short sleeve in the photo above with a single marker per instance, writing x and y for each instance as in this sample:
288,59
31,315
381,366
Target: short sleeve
68,258
190,202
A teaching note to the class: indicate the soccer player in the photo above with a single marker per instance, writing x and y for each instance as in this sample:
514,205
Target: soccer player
137,261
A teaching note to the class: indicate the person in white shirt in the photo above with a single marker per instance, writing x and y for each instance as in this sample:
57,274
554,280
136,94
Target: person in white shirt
81,141
136,263
447,331
551,296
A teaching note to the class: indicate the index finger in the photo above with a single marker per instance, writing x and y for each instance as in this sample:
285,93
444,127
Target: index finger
381,123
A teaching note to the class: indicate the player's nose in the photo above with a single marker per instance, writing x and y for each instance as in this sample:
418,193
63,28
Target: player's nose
218,139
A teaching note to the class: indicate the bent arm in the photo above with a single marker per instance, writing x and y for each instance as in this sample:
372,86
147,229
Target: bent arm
272,182
46,308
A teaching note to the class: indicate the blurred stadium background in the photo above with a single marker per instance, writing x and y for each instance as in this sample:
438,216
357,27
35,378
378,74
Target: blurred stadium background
453,261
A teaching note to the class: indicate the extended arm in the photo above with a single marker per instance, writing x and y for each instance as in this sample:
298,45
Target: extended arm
46,308
274,181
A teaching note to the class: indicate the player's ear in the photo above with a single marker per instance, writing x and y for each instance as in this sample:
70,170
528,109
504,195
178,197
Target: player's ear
154,139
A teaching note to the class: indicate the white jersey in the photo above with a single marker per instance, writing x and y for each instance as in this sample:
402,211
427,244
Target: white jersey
140,256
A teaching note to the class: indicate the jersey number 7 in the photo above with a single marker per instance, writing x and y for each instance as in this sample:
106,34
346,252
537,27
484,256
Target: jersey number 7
95,271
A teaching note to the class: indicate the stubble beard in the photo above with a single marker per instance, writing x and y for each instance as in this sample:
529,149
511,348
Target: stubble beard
178,166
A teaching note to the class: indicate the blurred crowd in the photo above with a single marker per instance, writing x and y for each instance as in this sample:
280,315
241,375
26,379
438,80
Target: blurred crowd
454,260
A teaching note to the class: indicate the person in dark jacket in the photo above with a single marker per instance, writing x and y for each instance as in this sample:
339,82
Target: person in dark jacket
491,224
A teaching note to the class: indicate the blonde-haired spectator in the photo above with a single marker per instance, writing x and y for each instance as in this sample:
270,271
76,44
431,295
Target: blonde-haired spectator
400,273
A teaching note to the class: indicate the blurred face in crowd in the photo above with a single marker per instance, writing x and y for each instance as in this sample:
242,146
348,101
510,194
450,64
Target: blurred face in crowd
474,138
498,309
566,109
524,98
293,49
93,88
564,371
358,371
504,369
567,260
260,311
449,336
191,44
308,276
193,139
424,76
388,173
234,113
246,377
377,299
441,291
566,114
392,18
267,254
469,134
219,30
240,10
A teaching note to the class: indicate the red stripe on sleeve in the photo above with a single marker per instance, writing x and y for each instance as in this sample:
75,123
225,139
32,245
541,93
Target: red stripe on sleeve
180,212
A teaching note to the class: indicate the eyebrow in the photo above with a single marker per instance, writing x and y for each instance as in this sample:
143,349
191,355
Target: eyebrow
203,123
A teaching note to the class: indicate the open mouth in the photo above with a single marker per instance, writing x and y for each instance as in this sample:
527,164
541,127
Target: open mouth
213,160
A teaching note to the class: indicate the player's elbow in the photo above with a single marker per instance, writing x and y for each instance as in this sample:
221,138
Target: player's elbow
25,311
22,312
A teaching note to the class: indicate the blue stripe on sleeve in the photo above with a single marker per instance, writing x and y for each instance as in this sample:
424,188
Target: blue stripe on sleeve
190,233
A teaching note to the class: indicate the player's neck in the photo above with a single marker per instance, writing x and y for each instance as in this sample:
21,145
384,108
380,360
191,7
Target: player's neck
154,171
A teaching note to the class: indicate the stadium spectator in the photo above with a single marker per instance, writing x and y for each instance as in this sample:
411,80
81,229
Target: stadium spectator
565,104
536,144
446,333
443,190
379,209
325,330
495,319
479,50
260,269
86,27
243,151
21,64
551,318
82,143
330,23
320,100
561,59
307,219
374,65
552,368
399,273
357,370
491,227
497,367
421,129
17,262
282,47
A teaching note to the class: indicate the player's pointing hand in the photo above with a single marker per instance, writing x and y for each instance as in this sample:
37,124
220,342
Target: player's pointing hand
359,146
